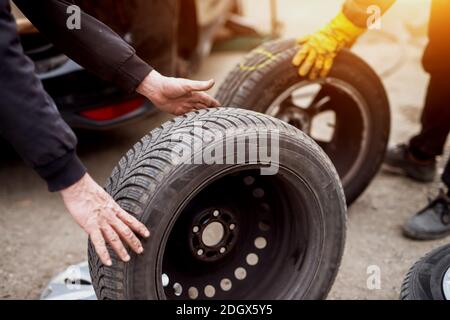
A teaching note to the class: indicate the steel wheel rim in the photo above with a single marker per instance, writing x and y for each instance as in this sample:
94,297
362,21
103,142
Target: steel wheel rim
229,284
362,107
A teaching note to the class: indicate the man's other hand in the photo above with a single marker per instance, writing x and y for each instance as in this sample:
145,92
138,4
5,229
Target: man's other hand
177,96
103,220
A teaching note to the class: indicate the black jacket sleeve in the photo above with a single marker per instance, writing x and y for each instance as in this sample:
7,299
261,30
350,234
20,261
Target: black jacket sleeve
94,46
29,119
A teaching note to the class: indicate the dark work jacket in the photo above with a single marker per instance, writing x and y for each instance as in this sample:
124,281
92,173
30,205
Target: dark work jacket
29,119
436,58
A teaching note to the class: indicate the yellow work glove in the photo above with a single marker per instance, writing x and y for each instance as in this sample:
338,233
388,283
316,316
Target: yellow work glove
319,49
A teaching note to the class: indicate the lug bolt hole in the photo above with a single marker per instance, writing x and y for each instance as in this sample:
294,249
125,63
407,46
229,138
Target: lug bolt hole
252,259
264,226
210,291
226,284
248,181
177,289
240,273
258,193
165,280
193,293
260,243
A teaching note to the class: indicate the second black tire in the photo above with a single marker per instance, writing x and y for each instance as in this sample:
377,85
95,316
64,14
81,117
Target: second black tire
355,94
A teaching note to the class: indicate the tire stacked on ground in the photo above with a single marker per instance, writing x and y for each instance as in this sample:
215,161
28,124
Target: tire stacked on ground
356,96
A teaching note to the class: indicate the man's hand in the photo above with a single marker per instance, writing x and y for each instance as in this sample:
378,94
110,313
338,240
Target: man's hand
103,219
319,50
177,96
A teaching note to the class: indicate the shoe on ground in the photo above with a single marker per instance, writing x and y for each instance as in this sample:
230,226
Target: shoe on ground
432,223
399,160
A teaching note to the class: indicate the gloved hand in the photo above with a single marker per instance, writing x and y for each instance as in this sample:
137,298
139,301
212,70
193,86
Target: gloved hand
318,50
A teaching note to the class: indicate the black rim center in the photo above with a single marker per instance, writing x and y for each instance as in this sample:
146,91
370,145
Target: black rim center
214,233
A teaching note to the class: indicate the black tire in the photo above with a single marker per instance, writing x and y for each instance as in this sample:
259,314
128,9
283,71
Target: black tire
298,216
426,279
362,130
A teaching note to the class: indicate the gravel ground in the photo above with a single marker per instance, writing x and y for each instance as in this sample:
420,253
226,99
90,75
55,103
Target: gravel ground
39,239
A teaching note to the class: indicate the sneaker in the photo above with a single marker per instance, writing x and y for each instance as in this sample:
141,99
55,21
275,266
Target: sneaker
431,223
399,160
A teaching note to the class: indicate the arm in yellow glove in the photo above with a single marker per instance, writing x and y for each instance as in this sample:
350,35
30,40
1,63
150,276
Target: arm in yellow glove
318,50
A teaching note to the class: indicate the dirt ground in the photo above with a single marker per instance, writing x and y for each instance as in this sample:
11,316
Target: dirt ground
39,239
